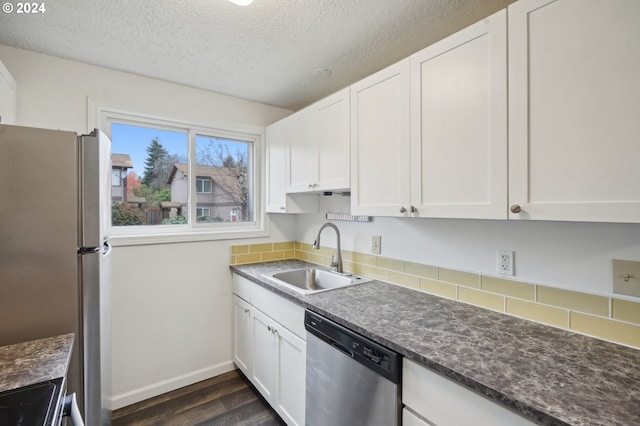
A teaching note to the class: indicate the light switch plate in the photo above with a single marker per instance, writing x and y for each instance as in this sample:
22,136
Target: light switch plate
626,277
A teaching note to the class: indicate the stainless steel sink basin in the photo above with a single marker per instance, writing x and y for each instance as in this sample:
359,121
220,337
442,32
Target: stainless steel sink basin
312,280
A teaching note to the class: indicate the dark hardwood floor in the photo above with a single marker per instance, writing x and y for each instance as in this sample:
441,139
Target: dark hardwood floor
228,399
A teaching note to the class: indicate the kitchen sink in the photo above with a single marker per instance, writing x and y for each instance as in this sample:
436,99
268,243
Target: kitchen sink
313,280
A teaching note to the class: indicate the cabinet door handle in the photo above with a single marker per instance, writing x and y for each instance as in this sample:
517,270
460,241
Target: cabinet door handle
403,210
283,209
274,330
413,209
516,208
269,328
246,311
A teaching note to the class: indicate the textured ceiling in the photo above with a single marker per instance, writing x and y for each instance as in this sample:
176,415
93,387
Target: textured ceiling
287,53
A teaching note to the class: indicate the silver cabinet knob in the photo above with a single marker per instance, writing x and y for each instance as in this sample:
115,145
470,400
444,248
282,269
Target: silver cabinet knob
516,208
246,311
413,209
269,328
283,209
403,210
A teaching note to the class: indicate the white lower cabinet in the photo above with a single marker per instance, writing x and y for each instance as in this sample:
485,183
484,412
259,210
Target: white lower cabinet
442,402
242,323
271,354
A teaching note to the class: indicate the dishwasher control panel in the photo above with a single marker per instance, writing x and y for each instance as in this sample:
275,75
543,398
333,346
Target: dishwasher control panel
375,356
369,352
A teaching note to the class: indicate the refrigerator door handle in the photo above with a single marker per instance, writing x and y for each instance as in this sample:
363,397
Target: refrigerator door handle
88,250
106,248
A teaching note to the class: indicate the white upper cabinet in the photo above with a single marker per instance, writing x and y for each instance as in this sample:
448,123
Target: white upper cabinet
574,110
380,146
302,157
318,157
278,201
459,124
7,96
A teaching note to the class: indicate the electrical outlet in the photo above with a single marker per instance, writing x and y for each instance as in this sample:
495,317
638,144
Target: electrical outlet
376,244
506,262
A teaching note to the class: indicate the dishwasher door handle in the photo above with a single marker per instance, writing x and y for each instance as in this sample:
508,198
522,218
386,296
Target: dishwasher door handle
342,349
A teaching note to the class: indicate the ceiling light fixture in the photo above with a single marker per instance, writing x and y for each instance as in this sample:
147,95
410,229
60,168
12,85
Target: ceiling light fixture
242,2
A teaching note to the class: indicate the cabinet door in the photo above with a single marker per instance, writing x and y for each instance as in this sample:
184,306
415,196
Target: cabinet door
290,397
242,335
445,403
302,161
380,143
574,103
265,353
7,96
332,127
278,201
276,170
459,124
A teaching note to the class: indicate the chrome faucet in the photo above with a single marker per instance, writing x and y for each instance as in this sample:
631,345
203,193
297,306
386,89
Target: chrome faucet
337,263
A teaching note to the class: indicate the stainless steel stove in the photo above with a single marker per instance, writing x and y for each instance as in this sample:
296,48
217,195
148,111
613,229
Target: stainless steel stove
32,405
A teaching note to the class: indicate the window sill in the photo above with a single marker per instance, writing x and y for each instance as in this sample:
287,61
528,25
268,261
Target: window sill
191,235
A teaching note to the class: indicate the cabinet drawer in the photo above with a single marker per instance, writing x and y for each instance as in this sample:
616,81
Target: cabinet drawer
242,287
444,402
287,313
284,311
410,419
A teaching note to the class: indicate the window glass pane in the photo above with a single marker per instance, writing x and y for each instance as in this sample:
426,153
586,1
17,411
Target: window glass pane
224,166
152,163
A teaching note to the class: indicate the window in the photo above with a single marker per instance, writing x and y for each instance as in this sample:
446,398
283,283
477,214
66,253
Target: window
115,177
203,211
227,163
156,158
203,185
181,181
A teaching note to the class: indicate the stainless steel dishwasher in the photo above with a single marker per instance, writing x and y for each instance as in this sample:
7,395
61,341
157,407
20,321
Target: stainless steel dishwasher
351,380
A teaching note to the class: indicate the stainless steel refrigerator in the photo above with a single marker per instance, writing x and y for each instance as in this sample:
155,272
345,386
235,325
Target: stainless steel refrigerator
55,192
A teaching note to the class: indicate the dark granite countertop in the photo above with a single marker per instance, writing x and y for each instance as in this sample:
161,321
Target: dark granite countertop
35,361
549,375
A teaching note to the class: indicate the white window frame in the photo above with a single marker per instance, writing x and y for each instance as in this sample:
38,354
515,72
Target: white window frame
203,209
204,179
116,180
103,112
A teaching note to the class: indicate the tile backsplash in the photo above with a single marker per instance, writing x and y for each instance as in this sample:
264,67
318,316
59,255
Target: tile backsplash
616,320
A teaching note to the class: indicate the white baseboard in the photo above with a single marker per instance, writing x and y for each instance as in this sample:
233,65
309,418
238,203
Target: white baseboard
155,389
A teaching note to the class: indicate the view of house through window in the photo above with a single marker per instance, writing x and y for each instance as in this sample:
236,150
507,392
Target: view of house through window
151,183
222,180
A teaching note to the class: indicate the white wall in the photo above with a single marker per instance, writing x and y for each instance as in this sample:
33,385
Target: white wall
568,255
171,303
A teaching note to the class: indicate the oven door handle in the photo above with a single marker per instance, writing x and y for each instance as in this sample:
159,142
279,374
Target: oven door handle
70,409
